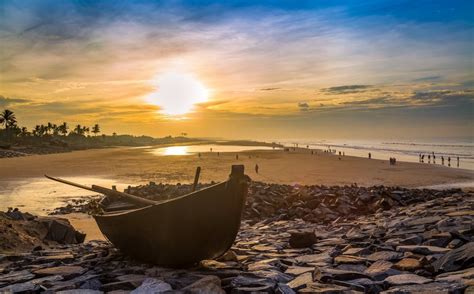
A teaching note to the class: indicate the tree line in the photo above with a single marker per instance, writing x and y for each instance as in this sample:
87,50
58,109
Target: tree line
12,129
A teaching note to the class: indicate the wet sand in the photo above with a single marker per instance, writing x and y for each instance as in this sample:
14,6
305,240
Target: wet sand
140,165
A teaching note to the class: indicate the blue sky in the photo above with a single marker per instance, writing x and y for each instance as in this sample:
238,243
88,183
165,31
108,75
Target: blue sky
263,61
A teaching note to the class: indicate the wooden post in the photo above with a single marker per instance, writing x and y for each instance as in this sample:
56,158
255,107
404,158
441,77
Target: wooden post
196,178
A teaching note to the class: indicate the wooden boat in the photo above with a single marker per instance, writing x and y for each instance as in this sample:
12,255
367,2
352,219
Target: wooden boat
180,231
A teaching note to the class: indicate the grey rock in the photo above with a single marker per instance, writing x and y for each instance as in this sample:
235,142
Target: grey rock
430,288
300,281
456,259
302,239
423,249
328,274
406,279
385,255
152,285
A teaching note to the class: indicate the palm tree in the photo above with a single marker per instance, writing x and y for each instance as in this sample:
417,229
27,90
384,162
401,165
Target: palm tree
36,131
85,130
55,129
7,118
79,130
43,130
49,127
24,132
96,129
63,128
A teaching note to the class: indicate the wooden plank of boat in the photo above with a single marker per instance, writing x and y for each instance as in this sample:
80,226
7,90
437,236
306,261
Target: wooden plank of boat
106,191
184,230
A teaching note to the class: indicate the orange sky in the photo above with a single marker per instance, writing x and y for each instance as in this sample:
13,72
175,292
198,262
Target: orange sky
272,72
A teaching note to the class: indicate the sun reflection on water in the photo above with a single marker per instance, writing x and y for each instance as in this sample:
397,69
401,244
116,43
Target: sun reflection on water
175,150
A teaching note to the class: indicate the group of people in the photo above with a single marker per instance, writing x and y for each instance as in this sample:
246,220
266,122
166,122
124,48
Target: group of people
433,156
393,161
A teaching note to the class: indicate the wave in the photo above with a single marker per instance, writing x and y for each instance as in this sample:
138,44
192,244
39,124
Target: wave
430,144
413,152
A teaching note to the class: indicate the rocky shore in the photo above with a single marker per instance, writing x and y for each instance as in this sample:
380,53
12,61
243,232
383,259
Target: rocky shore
310,239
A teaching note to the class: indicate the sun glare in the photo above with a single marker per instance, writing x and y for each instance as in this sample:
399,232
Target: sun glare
178,93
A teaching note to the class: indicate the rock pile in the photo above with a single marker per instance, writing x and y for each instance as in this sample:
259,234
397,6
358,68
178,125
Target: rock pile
424,247
162,191
87,204
325,204
23,231
315,203
11,153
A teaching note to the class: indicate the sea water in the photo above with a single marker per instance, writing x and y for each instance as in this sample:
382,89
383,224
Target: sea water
402,150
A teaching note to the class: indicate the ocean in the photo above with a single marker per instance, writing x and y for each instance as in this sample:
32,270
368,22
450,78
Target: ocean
407,151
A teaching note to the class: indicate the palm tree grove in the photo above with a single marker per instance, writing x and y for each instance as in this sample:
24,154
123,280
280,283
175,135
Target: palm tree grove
17,140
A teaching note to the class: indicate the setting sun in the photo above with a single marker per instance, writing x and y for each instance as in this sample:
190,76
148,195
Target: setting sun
177,93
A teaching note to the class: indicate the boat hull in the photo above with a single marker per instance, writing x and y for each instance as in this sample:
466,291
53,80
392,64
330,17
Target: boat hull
183,231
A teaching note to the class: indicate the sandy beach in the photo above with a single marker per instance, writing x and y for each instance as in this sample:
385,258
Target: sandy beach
140,165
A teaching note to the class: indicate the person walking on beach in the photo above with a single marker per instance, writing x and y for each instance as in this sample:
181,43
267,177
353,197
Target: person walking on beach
429,158
237,156
370,155
449,160
457,160
419,158
256,168
442,160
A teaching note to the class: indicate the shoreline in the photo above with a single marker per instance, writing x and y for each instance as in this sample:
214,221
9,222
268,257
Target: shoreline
30,150
139,165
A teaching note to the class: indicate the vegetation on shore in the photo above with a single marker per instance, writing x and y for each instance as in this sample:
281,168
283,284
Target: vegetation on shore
63,136
51,137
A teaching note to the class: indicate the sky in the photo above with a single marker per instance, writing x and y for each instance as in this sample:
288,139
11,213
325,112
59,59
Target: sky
270,69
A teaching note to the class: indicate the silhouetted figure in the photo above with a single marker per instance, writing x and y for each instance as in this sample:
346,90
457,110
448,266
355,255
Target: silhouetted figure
442,160
449,160
237,156
393,160
256,168
211,149
218,153
423,158
419,158
199,154
429,158
457,160
370,155
434,158
312,152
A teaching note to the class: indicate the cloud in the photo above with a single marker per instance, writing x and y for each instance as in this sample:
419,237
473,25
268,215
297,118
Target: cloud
303,106
384,100
428,79
269,89
444,97
5,101
347,89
